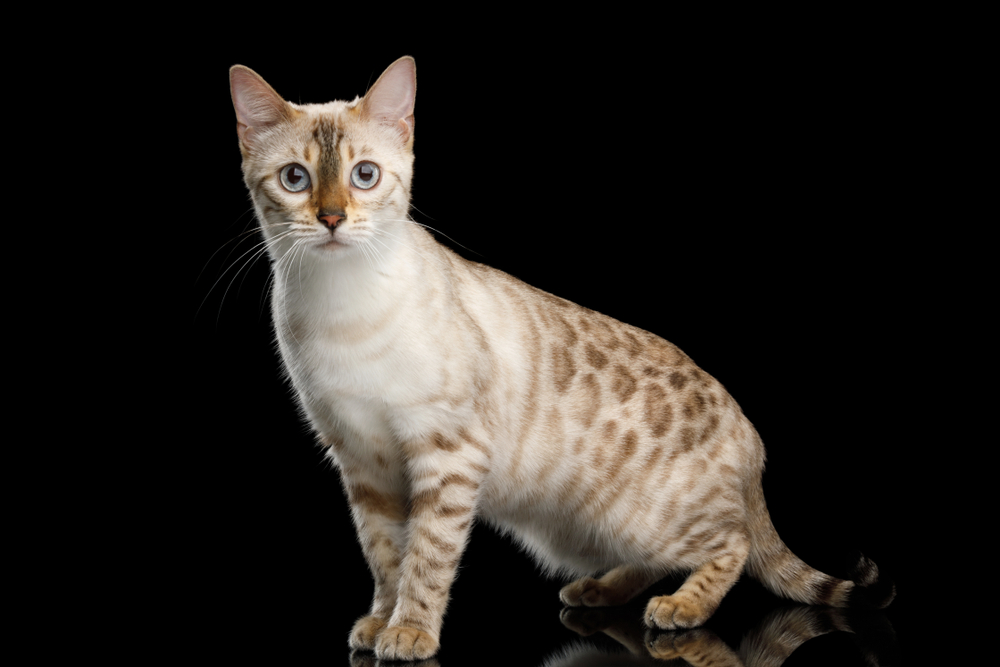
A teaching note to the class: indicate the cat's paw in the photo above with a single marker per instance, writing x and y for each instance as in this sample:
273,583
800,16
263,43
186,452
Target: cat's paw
365,631
589,592
572,594
395,643
674,612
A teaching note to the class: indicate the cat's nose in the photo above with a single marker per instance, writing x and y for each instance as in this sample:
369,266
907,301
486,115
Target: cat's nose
331,220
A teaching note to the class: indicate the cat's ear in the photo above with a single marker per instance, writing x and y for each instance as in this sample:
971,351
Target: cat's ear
391,99
257,105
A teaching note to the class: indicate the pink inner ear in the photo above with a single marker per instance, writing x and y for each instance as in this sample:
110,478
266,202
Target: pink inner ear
256,103
392,97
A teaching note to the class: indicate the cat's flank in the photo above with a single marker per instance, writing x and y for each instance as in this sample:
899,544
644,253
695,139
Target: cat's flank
445,390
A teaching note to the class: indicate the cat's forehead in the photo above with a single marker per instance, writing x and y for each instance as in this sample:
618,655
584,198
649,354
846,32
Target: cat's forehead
333,109
319,120
329,124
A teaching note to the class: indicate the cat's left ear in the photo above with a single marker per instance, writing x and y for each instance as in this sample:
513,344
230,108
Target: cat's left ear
257,105
390,100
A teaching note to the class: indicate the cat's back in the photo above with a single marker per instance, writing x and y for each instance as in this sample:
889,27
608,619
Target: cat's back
572,349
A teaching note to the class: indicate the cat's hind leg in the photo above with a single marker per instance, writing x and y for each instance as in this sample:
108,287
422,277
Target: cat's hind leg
699,596
615,588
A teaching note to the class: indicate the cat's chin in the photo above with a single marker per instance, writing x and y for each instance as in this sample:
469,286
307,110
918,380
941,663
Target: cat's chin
329,246
326,250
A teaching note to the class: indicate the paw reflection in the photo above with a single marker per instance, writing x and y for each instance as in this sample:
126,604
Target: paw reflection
700,646
361,658
768,644
619,623
583,621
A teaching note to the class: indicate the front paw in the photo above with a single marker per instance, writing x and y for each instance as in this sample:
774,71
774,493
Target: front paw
589,592
396,643
674,612
365,631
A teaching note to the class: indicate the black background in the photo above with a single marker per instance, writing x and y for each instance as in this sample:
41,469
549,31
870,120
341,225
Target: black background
749,195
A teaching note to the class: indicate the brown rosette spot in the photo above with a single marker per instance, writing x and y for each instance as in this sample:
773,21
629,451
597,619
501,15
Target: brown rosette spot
658,413
623,384
595,357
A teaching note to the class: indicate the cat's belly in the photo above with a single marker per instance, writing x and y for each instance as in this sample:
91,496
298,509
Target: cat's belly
561,540
563,544
578,519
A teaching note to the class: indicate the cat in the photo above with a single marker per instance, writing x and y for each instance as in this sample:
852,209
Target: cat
445,391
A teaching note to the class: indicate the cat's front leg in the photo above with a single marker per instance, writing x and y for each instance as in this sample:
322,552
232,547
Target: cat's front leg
378,508
444,493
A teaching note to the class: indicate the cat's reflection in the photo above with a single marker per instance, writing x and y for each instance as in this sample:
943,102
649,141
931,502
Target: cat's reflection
368,659
767,645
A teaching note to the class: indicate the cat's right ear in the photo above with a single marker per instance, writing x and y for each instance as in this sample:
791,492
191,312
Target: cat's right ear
257,105
390,100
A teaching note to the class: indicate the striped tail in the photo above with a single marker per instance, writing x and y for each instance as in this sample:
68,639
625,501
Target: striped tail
785,574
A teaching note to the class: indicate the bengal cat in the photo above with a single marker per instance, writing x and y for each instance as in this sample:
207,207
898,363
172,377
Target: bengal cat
445,390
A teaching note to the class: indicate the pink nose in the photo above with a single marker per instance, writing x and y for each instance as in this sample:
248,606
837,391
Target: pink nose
331,220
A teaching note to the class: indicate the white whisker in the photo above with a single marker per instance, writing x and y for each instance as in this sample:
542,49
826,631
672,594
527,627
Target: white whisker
400,241
411,220
261,249
255,251
290,256
375,251
363,247
239,238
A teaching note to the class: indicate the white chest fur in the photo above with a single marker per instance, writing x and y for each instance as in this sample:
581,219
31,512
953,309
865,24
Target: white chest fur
372,348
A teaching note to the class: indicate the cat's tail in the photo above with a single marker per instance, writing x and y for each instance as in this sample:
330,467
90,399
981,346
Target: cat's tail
785,574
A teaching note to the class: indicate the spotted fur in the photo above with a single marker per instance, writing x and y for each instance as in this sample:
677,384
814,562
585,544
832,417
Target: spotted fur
445,390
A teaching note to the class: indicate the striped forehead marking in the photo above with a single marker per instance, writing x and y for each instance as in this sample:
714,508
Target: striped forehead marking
328,136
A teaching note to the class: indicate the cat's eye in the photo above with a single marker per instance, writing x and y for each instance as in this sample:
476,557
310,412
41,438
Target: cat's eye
294,177
365,175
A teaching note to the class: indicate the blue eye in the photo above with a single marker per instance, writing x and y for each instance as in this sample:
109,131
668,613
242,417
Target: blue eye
294,178
365,175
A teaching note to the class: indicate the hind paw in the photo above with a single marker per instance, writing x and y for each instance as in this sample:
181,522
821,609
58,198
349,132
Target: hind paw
589,592
673,612
572,594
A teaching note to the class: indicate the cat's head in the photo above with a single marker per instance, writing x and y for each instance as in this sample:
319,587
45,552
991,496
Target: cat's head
329,178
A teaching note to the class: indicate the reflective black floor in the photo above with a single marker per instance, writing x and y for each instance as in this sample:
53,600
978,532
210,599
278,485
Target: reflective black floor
503,613
788,635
